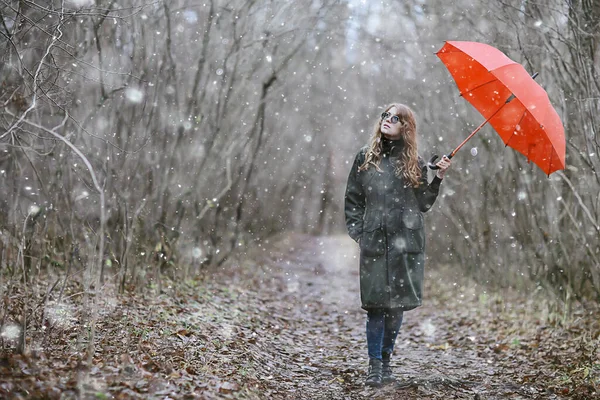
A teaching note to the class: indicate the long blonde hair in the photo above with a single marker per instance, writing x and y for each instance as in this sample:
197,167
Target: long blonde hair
407,165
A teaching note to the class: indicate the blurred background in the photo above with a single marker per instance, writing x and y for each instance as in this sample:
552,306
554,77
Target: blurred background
140,138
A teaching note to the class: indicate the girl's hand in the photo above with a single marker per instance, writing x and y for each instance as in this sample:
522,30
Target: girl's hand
443,164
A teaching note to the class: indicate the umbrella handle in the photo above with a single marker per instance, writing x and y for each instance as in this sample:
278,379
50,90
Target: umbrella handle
432,160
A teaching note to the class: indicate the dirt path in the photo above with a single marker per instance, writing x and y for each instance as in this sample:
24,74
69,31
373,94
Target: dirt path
322,346
284,322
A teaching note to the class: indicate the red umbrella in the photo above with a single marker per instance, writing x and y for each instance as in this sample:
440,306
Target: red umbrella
509,99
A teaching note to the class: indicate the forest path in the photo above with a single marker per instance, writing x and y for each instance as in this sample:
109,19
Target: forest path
448,348
283,321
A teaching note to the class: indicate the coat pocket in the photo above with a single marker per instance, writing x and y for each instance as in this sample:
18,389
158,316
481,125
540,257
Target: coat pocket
372,240
413,232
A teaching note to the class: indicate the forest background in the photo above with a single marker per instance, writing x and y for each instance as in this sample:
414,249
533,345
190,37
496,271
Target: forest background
142,139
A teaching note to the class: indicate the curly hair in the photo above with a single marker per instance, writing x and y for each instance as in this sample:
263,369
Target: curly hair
407,165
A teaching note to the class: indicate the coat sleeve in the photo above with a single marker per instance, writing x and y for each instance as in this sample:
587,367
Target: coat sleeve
427,193
355,202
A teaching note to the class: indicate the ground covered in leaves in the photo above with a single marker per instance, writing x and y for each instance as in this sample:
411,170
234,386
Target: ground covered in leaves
284,322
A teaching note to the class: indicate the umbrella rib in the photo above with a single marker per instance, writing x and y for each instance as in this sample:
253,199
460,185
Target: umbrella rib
477,87
511,136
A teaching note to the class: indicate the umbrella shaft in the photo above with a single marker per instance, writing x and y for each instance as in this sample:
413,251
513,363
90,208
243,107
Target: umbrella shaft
512,96
482,124
469,138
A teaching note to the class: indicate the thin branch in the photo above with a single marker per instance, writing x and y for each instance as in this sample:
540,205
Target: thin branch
224,191
580,201
35,78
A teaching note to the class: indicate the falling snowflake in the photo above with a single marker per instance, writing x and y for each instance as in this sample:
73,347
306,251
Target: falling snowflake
82,196
134,95
10,331
197,252
190,16
81,3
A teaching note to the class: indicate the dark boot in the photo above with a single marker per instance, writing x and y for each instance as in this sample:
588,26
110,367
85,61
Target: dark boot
386,370
375,369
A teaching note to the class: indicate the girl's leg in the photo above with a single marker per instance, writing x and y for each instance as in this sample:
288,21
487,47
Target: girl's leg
375,328
375,332
392,323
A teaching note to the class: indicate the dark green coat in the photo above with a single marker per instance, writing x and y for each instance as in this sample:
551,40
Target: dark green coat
384,214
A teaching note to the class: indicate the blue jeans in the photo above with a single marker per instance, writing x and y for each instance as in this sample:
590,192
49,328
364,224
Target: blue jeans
383,325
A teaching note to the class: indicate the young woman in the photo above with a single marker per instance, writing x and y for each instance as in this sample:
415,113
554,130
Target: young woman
386,194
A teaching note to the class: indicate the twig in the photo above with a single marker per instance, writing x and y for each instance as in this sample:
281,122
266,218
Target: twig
55,38
580,201
223,192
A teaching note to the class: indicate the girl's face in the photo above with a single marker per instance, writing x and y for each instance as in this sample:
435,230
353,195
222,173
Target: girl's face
390,124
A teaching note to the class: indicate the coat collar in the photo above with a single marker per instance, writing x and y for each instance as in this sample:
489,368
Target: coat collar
392,147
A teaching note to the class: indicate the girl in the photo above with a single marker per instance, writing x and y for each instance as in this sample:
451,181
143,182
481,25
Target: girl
386,194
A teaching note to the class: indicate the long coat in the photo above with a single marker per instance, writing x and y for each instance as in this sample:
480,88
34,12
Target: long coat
384,214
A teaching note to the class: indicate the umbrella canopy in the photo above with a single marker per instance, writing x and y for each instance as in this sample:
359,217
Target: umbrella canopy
510,100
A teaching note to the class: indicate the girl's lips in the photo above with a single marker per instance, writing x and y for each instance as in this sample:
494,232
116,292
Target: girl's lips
386,126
